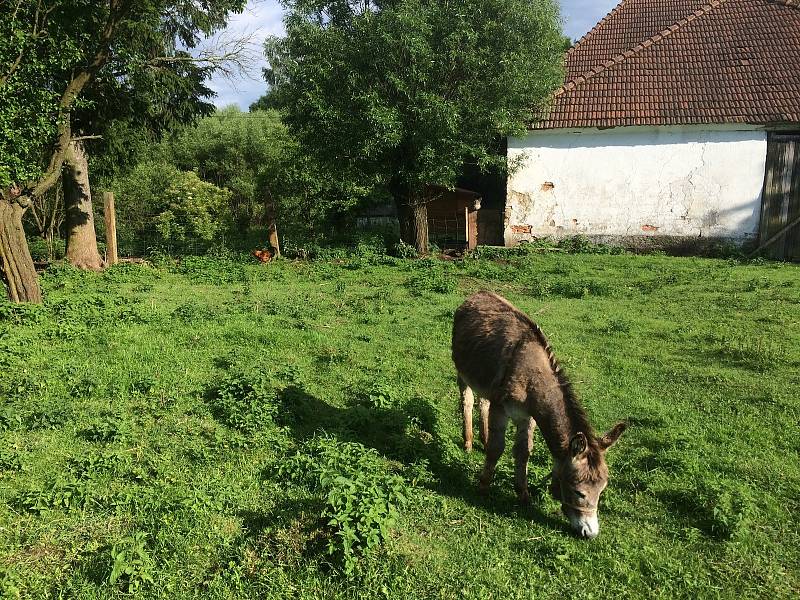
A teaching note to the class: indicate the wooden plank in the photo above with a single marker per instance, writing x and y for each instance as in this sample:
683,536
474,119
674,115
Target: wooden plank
779,199
785,175
111,228
769,195
792,240
780,233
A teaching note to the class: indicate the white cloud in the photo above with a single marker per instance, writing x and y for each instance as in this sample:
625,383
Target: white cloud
264,17
581,15
261,18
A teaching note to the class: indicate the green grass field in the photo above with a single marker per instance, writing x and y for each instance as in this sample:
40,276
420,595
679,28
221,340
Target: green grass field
221,429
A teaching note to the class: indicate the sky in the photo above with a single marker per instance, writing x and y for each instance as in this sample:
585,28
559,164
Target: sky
263,18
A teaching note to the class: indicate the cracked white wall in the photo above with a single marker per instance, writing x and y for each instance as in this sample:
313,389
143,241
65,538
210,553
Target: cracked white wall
699,181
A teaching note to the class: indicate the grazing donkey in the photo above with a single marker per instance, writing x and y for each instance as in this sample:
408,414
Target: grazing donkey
502,356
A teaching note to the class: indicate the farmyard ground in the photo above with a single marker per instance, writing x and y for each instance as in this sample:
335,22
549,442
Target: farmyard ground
195,430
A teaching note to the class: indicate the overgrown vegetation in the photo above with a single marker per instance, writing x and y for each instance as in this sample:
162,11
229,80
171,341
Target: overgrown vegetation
214,427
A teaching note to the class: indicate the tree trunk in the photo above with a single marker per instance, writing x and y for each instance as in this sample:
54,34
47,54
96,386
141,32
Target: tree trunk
79,218
413,216
16,264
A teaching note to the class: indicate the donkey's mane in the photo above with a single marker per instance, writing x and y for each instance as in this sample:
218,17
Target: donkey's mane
575,410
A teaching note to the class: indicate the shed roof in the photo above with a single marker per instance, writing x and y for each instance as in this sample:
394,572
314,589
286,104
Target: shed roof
677,62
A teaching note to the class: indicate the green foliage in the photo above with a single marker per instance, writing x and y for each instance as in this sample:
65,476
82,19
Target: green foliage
257,425
160,206
730,507
63,493
431,278
568,287
380,396
193,209
45,46
250,154
362,500
131,563
213,269
403,250
571,245
393,96
246,403
10,459
34,52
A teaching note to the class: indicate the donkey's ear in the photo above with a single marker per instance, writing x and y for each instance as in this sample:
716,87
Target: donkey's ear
610,438
577,445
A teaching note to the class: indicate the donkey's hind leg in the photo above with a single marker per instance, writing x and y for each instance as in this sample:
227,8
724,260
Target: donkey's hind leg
467,401
523,445
498,419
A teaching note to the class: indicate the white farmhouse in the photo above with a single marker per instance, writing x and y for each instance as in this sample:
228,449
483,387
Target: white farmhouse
678,122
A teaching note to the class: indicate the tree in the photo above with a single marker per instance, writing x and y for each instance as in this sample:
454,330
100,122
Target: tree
50,51
78,214
402,93
249,153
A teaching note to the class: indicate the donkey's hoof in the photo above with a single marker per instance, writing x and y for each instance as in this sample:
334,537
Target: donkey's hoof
468,447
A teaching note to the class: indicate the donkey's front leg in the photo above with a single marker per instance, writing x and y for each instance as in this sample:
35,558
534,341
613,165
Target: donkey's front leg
467,401
523,445
496,443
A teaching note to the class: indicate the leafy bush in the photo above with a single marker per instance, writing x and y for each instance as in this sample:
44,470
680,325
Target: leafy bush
244,402
42,251
729,508
582,245
251,154
193,210
65,493
105,429
542,287
403,250
131,563
216,270
380,395
160,206
362,501
10,459
429,277
192,312
571,245
25,313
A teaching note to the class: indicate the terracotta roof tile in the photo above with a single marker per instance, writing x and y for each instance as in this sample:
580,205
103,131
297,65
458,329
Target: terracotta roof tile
665,62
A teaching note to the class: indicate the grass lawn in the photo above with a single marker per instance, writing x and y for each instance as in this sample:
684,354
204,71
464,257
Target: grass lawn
221,429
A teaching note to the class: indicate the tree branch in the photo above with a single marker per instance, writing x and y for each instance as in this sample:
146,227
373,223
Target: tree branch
73,89
232,57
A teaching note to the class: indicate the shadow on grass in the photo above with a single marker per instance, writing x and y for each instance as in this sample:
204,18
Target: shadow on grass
405,434
289,534
685,505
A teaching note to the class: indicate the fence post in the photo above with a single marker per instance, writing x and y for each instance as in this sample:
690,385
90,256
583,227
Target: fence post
111,228
272,225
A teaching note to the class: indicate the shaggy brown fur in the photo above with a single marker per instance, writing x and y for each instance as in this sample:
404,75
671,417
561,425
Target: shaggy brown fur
505,358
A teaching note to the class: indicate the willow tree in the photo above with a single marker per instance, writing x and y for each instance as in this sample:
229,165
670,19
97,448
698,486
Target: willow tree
402,93
50,52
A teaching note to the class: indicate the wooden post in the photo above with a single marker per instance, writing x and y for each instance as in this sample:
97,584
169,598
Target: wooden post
111,228
272,225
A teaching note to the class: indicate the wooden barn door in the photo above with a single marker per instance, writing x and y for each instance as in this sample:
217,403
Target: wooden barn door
779,231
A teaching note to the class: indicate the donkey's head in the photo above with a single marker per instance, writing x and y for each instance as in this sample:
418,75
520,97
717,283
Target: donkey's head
580,477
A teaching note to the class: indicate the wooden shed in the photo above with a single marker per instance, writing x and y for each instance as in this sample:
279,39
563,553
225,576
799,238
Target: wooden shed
453,217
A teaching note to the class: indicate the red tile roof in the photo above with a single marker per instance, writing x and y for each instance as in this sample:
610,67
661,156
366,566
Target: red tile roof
675,62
